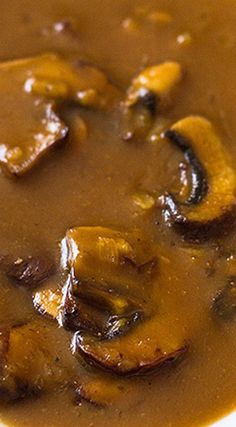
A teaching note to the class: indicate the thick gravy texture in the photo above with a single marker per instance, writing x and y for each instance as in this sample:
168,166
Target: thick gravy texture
117,235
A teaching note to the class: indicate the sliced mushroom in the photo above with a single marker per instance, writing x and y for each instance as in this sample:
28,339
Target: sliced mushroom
112,273
118,258
102,296
142,350
155,84
77,315
150,91
87,307
100,391
37,128
33,362
30,272
212,195
54,77
36,86
224,304
51,76
109,281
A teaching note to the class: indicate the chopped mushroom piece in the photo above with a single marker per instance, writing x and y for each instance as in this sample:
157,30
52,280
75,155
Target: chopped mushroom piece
52,77
76,315
224,304
150,92
86,306
119,258
142,350
33,362
100,391
30,272
48,302
110,272
158,81
102,296
144,200
36,129
36,86
109,283
212,193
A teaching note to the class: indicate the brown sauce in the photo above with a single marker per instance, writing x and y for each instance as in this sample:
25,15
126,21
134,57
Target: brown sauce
103,175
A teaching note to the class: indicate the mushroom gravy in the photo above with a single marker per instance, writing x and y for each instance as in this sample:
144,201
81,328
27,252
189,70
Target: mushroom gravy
117,222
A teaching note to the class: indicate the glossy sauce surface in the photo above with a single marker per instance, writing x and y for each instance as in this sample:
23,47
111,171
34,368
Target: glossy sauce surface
91,182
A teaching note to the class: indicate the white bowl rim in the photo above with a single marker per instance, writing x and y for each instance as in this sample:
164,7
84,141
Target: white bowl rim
229,421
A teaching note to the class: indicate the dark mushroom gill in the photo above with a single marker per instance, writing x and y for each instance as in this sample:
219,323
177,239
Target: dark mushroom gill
211,203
